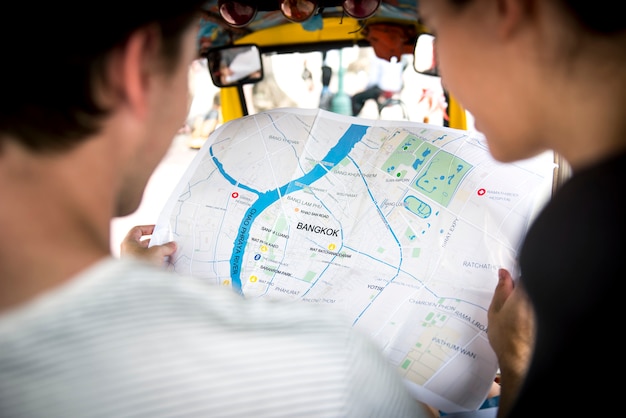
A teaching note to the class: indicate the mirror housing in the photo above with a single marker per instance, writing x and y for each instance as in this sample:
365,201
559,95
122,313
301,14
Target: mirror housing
424,58
235,65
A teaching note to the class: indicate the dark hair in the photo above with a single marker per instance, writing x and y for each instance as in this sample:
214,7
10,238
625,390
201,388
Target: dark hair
57,54
603,17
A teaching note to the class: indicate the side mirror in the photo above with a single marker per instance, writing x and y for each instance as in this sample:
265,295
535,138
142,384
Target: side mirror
424,59
235,65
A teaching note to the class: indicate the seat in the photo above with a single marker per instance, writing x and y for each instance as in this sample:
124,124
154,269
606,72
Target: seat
390,99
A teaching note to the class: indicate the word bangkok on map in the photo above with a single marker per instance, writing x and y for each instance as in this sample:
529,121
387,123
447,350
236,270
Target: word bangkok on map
400,225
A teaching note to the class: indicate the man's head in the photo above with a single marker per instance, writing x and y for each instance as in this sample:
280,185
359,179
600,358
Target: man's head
100,90
56,59
390,39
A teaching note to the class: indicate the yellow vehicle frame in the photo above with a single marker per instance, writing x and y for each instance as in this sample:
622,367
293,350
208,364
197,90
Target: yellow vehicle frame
340,29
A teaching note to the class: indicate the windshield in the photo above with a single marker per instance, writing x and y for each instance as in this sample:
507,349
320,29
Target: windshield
336,79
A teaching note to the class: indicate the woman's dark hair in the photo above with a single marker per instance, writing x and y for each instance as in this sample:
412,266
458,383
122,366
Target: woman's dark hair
55,58
599,16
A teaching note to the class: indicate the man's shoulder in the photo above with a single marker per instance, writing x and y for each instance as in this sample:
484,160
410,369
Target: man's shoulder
122,322
134,294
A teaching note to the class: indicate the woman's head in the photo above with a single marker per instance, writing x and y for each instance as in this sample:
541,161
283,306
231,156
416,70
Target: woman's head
517,65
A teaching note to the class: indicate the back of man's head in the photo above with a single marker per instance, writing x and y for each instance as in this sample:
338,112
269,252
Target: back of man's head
54,50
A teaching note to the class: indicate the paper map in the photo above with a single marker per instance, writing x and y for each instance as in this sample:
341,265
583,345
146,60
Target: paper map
401,225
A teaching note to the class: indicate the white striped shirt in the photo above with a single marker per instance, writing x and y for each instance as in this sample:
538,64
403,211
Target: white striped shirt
127,340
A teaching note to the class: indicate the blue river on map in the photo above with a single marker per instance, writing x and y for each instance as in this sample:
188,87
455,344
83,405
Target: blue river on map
336,154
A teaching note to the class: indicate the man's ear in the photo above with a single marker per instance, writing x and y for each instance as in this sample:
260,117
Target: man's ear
512,14
136,66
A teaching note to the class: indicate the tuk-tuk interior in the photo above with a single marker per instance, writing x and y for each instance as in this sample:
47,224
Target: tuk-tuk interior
330,39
